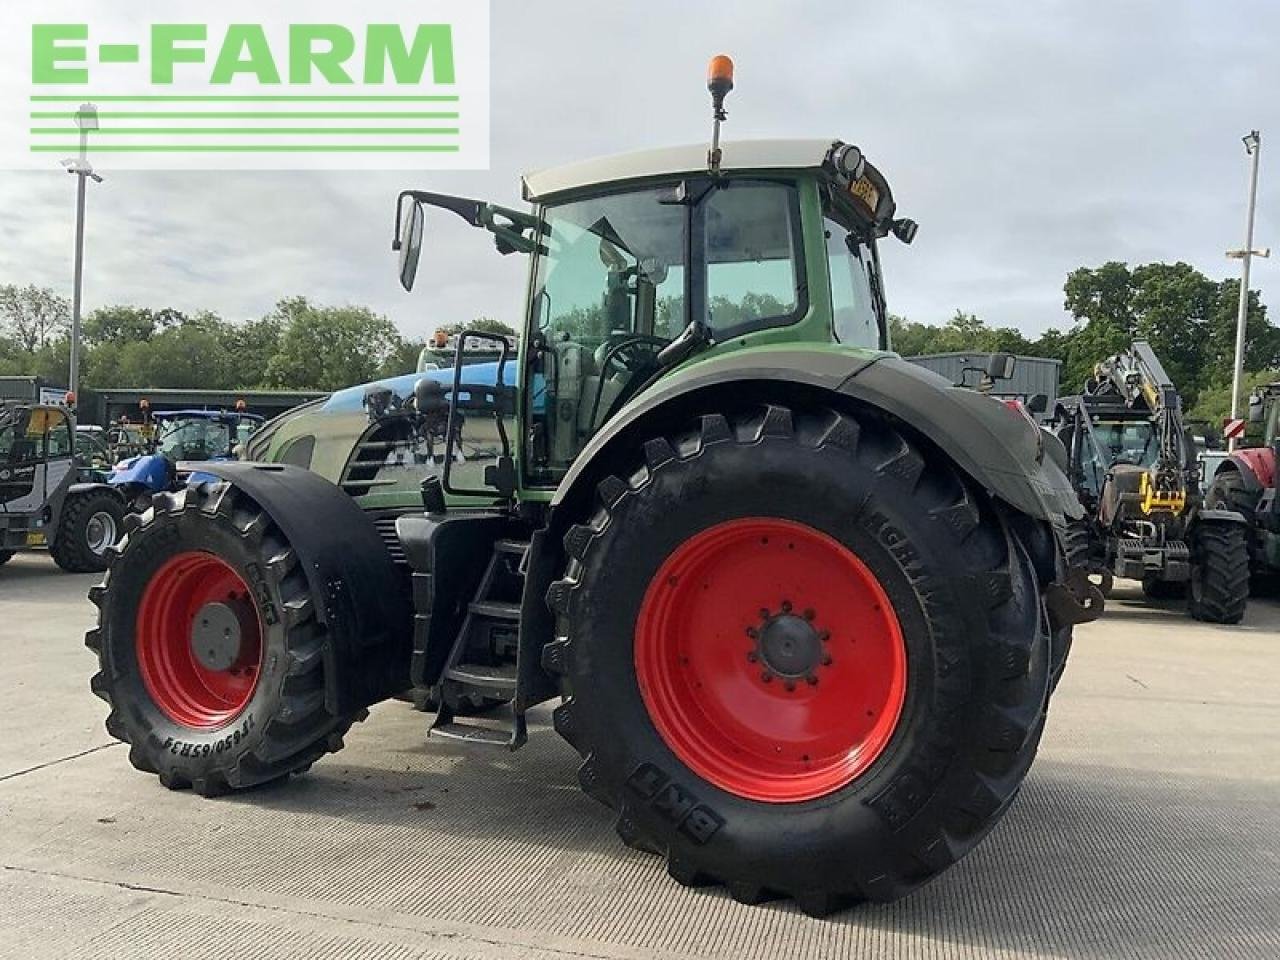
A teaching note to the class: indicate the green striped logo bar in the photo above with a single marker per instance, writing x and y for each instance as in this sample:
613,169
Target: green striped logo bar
241,85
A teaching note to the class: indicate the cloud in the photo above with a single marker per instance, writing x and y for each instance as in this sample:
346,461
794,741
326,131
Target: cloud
1027,139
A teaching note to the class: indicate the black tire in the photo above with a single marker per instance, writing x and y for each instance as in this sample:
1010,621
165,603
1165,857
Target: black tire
6,556
76,546
1154,588
1219,587
977,654
1228,492
285,726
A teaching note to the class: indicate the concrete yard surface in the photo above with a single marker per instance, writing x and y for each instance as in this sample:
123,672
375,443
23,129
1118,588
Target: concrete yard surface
1148,828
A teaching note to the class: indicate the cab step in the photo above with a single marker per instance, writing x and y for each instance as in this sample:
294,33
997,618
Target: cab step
471,733
500,678
496,609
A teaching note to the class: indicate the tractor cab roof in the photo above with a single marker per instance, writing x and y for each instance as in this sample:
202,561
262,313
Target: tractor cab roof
231,416
669,163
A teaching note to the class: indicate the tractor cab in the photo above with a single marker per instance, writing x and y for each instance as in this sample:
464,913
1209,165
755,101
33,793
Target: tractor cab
641,263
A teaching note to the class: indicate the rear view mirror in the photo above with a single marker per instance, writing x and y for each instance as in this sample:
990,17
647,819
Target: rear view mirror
1000,366
409,242
1256,408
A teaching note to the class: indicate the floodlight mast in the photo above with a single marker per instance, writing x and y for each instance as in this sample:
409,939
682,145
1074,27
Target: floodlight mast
1252,146
86,120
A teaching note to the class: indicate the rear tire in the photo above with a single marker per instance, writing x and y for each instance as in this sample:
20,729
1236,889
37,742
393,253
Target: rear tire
88,530
960,586
1219,587
266,715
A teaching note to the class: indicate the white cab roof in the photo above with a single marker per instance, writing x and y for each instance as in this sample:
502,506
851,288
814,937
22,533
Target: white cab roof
673,161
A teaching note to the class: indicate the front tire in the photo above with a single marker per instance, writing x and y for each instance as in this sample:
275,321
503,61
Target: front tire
1219,588
210,652
88,530
931,682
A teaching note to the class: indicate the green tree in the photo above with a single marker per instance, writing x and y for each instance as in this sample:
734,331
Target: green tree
326,348
33,316
480,325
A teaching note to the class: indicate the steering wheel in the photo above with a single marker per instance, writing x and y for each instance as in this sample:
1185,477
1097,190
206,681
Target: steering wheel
626,354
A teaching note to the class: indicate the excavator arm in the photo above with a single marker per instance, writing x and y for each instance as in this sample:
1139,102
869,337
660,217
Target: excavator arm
1138,376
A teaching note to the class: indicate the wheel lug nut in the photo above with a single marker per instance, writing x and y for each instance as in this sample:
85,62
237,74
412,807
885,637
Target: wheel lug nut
766,676
764,613
790,684
752,656
811,679
824,636
809,614
752,632
786,606
826,660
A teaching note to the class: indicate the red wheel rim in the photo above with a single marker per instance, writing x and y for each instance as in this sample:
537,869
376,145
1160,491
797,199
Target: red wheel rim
194,596
750,598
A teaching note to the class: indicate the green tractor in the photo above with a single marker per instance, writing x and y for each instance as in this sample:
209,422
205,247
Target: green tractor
801,603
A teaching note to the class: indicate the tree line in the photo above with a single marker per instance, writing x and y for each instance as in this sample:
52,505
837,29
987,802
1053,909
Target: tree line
298,345
1189,319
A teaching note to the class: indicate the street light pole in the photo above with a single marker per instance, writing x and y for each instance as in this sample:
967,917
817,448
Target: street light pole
1252,146
86,120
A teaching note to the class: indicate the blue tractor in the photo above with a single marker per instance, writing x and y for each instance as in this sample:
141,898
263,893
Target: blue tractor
182,437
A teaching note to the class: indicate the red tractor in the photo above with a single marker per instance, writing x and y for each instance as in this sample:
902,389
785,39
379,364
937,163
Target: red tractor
1246,483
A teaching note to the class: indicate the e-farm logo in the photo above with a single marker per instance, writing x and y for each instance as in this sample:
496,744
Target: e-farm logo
242,85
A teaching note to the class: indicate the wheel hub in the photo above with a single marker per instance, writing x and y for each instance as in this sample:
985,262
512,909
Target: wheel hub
216,636
199,640
789,646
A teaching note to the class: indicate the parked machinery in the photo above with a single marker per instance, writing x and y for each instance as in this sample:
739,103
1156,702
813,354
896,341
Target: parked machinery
48,494
1246,482
176,439
1135,469
802,603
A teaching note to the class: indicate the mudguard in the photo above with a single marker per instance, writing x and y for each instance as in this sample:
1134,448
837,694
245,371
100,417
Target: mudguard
996,446
1257,467
356,587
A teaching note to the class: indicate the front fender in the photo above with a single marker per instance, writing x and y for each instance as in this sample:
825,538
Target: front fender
359,593
996,446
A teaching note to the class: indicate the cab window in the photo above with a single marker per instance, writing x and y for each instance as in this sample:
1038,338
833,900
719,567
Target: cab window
849,265
754,276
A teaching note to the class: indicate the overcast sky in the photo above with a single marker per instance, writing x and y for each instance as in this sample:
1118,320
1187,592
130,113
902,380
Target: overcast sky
1026,137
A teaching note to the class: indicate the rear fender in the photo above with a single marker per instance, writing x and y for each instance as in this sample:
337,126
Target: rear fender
356,587
998,448
1257,467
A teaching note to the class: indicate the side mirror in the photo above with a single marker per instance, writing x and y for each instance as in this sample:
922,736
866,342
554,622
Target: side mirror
905,229
1256,408
409,242
1037,403
1000,366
